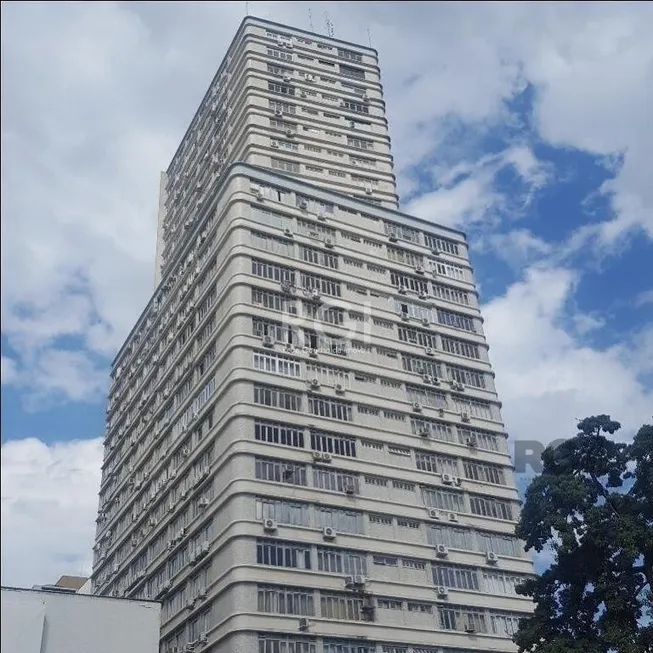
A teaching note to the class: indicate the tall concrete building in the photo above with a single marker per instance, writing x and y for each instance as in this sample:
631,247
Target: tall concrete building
304,448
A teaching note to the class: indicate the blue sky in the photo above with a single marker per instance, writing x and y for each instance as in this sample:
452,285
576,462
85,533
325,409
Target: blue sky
526,125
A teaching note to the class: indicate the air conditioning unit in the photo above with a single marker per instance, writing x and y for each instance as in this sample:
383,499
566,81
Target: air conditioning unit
268,341
303,623
470,629
429,351
290,133
288,232
447,479
354,582
312,353
427,378
203,502
453,517
423,296
289,348
314,383
492,558
340,389
419,269
287,78
329,243
405,317
402,290
328,533
417,407
424,432
315,294
302,204
274,144
260,197
464,417
471,442
441,551
434,513
185,452
350,487
269,525
392,238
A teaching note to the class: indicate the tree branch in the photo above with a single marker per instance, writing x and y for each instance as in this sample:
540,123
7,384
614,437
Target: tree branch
603,492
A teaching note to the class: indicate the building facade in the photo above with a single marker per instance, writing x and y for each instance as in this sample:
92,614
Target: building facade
304,448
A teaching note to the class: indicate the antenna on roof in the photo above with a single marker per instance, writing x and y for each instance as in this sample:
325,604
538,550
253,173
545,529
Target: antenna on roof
329,24
247,9
310,20
369,36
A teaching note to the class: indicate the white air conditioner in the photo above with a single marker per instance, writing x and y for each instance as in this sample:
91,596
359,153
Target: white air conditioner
354,582
470,629
419,269
315,294
288,232
203,502
424,432
328,533
274,144
417,407
340,389
314,383
442,592
492,558
302,204
312,353
402,290
464,417
441,551
269,525
405,317
427,378
287,78
447,479
471,442
328,242
453,517
303,623
290,133
423,296
429,351
268,341
434,513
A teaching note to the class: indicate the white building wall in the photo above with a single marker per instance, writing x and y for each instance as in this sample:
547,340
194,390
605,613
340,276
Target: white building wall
52,622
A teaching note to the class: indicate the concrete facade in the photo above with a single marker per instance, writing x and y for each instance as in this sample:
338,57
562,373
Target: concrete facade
46,621
304,446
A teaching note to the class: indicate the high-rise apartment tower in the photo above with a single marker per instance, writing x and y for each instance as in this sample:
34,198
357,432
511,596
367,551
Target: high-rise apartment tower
304,448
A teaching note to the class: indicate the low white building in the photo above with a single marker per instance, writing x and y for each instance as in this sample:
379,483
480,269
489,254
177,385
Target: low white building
56,619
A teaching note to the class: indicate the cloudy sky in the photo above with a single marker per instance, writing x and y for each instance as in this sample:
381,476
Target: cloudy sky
527,125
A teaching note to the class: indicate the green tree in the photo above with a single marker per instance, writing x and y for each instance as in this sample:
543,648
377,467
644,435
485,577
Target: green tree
593,507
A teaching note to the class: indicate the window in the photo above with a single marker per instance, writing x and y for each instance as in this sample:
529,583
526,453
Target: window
455,577
413,606
351,72
412,563
450,270
287,145
417,337
283,554
443,499
271,219
379,481
473,408
426,397
340,561
418,311
277,364
358,107
403,485
359,143
285,600
482,439
389,604
460,348
279,71
331,408
415,284
344,646
490,507
321,284
385,561
455,320
317,231
403,232
341,606
449,294
280,471
327,374
280,54
451,537
284,165
350,55
506,545
498,582
284,512
333,443
272,271
466,376
505,624
276,433
283,89
282,333
318,257
314,169
439,244
398,451
461,618
342,521
335,481
418,365
277,398
284,644
436,430
272,244
436,463
404,256
274,301
484,472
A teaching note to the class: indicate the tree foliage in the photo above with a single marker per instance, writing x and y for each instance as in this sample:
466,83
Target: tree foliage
593,507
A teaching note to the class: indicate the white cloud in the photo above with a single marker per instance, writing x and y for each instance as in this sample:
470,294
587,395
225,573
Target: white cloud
49,504
90,132
546,377
644,298
8,370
